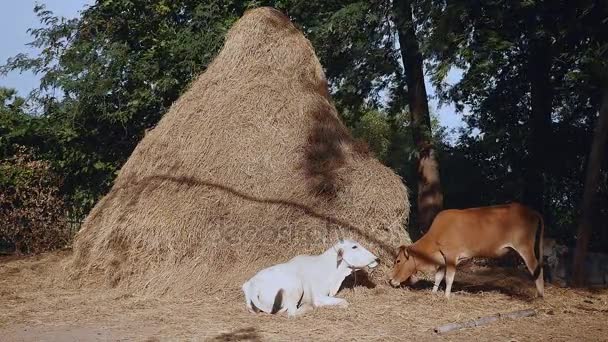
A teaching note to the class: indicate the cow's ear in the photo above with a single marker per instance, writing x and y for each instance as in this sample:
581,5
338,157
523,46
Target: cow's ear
406,253
340,257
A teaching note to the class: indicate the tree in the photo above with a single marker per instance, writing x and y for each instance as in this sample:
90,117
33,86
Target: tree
16,127
529,112
539,65
111,74
503,66
594,67
429,196
592,187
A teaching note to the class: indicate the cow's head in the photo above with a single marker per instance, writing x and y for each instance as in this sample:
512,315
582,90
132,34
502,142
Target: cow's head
355,256
404,267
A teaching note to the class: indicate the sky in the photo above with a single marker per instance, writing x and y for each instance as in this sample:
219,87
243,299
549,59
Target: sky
447,113
17,16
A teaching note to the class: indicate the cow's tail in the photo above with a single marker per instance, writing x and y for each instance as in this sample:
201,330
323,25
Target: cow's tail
538,244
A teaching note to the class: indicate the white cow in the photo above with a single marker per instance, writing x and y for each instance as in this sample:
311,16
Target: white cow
306,281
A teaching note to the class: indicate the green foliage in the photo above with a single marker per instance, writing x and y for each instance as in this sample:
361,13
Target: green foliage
376,131
112,73
15,125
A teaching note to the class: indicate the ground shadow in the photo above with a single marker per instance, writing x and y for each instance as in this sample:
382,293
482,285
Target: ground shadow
510,282
358,278
244,334
514,293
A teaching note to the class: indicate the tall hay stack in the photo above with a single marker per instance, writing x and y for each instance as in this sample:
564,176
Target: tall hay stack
250,167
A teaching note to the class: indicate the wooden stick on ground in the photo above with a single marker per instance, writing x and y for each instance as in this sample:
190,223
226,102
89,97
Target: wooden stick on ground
484,320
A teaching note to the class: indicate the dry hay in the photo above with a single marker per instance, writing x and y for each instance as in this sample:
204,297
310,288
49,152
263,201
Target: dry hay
31,309
250,167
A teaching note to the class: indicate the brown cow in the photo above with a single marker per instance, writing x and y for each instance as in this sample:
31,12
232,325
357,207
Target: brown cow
488,232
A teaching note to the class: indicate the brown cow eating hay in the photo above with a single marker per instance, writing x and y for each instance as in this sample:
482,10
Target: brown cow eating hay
488,232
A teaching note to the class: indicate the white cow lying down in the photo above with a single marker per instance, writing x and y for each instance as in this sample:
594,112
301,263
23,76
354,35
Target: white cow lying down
306,281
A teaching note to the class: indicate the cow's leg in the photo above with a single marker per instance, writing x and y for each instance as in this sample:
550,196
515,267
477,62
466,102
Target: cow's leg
330,301
438,278
292,308
304,308
292,299
534,267
450,272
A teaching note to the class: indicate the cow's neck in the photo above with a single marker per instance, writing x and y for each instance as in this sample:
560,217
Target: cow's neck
335,273
424,253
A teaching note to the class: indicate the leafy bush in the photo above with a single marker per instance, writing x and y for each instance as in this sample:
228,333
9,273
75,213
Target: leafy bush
32,212
375,129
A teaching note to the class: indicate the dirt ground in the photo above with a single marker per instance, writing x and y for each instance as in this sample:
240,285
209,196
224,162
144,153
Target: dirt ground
33,308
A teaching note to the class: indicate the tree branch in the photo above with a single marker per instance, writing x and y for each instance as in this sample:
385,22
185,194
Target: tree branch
484,320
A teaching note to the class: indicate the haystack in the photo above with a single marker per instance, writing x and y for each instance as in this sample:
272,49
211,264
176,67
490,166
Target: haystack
250,167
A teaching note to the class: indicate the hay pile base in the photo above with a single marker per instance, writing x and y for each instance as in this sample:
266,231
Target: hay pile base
250,167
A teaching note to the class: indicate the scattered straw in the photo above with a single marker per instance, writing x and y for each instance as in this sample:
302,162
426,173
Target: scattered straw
32,309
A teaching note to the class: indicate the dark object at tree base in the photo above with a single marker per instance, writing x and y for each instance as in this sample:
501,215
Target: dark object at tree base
7,248
484,320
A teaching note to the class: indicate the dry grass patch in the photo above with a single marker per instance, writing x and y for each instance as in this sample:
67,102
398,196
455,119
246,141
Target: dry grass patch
36,308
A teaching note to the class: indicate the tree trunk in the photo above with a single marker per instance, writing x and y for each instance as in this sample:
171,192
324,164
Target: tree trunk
539,65
590,194
430,197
